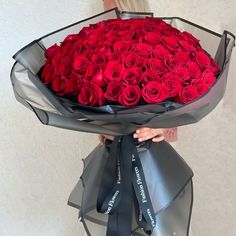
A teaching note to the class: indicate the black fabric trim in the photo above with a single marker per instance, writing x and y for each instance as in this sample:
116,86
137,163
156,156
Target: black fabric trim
191,208
231,35
85,227
191,23
138,13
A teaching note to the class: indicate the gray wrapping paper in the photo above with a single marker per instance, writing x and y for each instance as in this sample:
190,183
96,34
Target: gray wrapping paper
169,181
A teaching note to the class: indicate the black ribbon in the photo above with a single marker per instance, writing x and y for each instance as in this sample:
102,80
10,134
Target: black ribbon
123,181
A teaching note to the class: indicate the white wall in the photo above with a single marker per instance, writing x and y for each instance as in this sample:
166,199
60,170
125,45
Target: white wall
39,165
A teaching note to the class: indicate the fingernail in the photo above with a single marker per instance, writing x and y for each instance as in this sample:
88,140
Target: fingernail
135,135
158,139
137,131
140,140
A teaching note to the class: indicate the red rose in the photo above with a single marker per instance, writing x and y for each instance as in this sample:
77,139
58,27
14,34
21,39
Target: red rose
193,69
148,75
182,57
148,24
170,31
202,58
133,60
171,42
70,49
94,38
56,60
99,59
113,71
200,86
70,38
143,49
114,26
108,54
173,62
58,85
71,87
162,26
91,70
125,34
153,38
98,79
91,95
157,65
113,56
71,45
183,75
178,59
84,33
137,23
160,52
173,84
80,64
186,46
78,79
138,37
113,23
87,53
208,77
154,92
95,27
63,85
123,47
131,76
130,95
187,94
113,91
47,73
65,66
110,37
190,39
52,51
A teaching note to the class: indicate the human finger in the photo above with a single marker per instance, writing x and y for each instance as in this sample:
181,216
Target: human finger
150,135
158,138
101,139
139,131
110,137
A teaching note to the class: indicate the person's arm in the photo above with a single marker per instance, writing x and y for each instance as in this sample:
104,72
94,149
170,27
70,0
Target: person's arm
171,134
109,4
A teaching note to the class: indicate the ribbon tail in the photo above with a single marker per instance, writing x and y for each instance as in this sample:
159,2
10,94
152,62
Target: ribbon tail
125,209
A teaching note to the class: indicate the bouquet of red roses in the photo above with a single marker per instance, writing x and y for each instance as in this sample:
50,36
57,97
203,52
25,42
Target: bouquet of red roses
110,76
129,62
156,63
